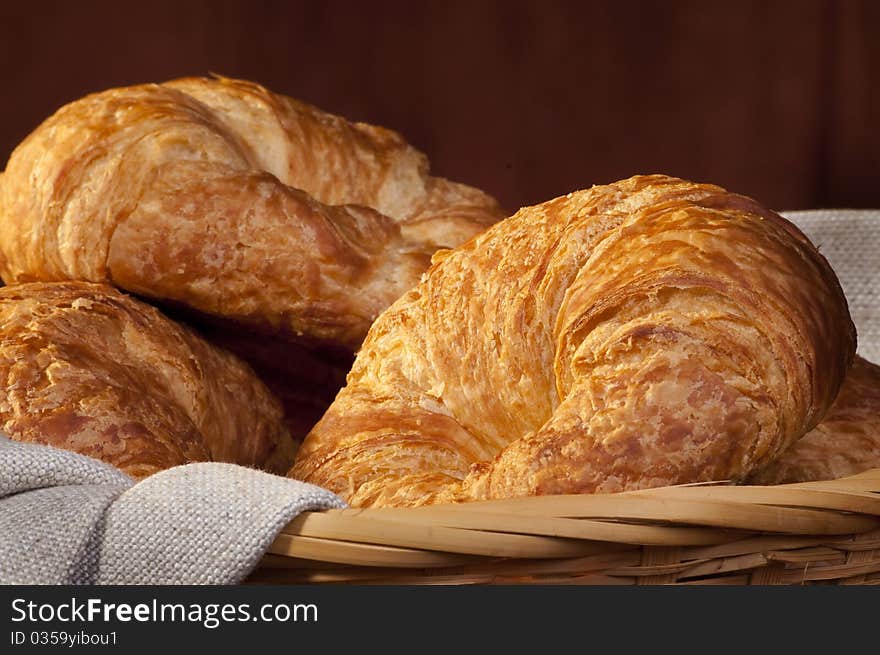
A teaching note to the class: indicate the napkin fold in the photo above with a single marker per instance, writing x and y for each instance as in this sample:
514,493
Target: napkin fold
70,519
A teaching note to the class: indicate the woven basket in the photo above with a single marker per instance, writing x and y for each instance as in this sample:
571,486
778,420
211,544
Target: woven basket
810,533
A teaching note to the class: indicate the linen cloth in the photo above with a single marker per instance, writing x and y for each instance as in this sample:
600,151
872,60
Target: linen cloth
70,519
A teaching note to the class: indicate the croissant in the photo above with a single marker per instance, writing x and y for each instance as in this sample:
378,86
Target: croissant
222,197
649,332
846,442
89,369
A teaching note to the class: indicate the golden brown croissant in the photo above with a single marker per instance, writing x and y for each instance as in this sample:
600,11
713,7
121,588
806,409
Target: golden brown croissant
649,332
220,196
89,369
846,442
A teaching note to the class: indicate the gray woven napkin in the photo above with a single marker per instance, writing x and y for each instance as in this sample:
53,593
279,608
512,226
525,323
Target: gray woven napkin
70,519
850,240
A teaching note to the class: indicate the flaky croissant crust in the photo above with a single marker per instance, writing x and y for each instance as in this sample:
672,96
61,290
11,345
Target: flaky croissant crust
89,369
233,201
648,332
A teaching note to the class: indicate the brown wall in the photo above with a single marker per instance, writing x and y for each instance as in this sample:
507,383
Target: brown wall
528,100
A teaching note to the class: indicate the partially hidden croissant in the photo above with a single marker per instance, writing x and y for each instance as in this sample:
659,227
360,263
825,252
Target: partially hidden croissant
644,333
265,221
232,201
845,443
89,369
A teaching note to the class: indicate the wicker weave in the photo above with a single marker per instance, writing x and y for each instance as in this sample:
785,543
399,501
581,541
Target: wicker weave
810,533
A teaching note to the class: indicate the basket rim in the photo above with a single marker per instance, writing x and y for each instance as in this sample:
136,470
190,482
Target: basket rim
709,519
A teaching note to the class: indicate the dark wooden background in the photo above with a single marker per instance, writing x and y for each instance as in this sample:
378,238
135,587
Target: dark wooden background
529,100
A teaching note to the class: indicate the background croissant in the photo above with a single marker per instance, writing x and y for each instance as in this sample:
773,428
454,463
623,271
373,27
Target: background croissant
644,333
89,369
846,442
217,197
